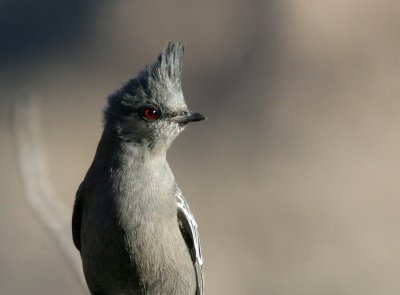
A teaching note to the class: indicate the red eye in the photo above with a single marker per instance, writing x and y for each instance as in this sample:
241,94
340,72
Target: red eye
150,114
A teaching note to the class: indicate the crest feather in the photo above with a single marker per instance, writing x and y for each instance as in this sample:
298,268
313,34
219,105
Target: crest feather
168,66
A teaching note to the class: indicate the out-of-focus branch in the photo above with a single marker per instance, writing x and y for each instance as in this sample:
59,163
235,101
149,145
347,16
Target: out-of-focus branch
38,188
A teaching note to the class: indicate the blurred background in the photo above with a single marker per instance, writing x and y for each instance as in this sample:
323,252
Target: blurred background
294,179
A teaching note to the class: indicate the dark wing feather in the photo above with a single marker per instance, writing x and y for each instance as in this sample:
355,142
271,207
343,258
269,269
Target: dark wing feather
188,227
77,218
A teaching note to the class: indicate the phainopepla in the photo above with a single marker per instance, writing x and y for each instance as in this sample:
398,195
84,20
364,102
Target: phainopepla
131,224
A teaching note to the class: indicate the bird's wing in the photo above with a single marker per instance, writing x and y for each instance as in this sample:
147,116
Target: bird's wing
190,233
77,218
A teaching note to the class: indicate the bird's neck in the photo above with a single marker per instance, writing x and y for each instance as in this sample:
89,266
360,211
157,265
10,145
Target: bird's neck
130,163
117,152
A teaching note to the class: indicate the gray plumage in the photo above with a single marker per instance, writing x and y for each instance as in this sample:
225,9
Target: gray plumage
133,227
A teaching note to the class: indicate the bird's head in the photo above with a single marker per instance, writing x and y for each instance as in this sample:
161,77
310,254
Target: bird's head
150,109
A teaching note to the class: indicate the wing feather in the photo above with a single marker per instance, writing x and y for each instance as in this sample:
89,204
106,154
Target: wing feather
77,219
190,233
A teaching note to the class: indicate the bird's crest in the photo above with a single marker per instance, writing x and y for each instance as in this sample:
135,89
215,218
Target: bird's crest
168,67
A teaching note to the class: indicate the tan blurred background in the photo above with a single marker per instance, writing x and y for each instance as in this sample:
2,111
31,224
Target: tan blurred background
294,179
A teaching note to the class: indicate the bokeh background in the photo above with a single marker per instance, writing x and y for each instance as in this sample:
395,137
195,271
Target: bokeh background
294,179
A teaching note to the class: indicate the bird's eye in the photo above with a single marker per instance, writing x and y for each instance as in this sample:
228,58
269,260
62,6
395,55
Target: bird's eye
150,114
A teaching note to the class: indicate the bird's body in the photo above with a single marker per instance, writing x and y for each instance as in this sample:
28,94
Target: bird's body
130,220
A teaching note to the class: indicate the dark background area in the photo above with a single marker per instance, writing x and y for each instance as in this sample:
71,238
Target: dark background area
294,179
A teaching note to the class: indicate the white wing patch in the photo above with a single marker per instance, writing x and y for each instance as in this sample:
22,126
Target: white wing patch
183,205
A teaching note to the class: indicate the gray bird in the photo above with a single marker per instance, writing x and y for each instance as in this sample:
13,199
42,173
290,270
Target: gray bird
131,224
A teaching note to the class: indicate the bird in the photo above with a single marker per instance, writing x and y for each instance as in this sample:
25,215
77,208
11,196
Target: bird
133,227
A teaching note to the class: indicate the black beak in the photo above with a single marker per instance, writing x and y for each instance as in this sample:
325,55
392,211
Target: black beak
188,117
